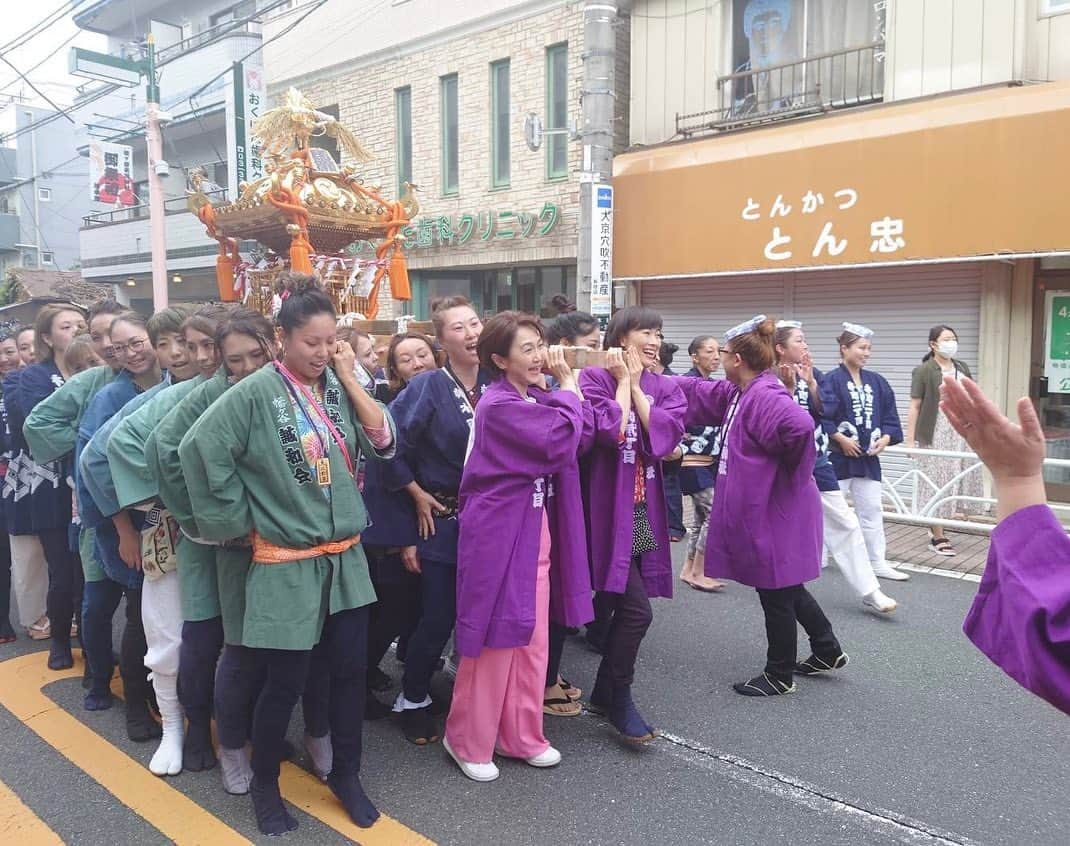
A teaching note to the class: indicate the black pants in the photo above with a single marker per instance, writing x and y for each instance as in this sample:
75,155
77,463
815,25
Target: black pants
558,634
438,582
5,584
631,618
674,499
64,600
344,644
202,641
103,598
784,607
398,608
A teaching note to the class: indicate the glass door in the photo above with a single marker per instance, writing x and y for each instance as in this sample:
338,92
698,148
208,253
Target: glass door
1052,386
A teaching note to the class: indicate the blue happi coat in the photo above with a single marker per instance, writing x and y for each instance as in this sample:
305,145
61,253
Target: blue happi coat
864,413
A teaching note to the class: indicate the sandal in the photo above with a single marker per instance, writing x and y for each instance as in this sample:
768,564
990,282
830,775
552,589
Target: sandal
561,706
41,630
570,690
942,546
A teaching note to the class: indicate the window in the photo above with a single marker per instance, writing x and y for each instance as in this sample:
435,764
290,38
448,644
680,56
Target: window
44,194
403,118
48,258
499,124
234,13
1054,7
327,142
557,110
450,141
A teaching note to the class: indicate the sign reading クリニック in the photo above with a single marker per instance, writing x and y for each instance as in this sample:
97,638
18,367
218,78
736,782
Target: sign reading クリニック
111,174
1057,341
246,102
601,250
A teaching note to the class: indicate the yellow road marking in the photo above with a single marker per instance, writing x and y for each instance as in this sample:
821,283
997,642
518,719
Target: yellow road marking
176,816
18,824
170,811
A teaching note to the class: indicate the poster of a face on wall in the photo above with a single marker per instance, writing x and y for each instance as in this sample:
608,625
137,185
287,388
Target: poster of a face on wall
767,33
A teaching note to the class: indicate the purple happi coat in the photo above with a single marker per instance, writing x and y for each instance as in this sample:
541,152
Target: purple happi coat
765,522
523,461
1020,618
609,483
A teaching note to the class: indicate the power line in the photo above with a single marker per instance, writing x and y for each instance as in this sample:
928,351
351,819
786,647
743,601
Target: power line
39,27
45,59
39,92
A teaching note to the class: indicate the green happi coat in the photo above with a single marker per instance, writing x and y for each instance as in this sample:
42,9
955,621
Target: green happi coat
198,575
51,431
243,473
135,479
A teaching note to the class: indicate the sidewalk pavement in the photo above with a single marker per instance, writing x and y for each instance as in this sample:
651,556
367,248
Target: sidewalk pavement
909,545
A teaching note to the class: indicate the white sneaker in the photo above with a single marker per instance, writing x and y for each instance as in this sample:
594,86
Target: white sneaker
476,772
886,571
879,602
550,758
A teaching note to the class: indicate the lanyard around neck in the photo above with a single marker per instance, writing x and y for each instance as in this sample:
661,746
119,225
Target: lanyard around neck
295,385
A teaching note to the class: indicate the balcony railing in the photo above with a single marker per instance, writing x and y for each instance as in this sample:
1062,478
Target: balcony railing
176,205
816,84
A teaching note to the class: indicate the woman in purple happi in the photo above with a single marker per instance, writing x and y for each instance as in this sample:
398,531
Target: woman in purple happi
521,555
1021,616
765,524
639,419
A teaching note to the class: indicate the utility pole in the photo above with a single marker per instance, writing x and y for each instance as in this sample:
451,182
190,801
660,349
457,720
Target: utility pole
157,219
594,277
36,191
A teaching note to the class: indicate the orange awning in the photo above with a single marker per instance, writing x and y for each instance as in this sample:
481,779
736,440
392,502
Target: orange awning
986,173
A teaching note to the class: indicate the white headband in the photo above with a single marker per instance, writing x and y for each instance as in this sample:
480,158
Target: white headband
743,328
789,324
857,329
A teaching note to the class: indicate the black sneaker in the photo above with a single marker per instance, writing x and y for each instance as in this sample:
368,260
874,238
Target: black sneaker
419,726
379,681
764,685
814,666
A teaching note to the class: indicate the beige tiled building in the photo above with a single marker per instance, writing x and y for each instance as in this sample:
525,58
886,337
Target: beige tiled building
439,97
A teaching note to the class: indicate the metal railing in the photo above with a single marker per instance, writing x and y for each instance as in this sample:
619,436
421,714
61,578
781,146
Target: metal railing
141,211
225,29
915,498
821,83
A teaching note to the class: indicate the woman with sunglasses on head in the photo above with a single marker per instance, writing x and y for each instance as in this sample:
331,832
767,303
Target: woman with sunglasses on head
765,524
639,420
41,497
434,416
275,459
519,493
861,420
842,532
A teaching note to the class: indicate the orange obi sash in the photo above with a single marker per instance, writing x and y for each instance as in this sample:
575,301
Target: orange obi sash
265,552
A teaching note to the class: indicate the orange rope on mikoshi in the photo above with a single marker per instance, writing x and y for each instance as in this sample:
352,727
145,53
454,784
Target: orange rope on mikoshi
227,260
392,243
300,249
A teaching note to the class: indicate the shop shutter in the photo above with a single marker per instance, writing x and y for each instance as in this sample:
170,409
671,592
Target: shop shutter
899,304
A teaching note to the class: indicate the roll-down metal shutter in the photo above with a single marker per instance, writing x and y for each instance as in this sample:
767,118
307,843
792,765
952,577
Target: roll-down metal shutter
898,304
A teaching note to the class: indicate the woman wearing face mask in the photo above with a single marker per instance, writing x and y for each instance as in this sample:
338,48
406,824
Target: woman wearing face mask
137,489
765,484
41,499
397,610
860,418
639,420
526,442
212,576
275,460
842,532
434,417
928,428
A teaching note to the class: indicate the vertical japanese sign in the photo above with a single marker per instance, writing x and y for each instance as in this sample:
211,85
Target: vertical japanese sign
601,250
111,174
1057,341
245,104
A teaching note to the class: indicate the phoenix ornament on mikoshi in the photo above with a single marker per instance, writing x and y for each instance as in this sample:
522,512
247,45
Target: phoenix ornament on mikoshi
307,209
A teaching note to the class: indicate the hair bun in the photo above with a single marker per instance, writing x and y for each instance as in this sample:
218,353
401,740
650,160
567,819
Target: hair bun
766,329
291,283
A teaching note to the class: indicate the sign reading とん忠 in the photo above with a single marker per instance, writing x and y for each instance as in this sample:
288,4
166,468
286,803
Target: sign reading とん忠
1057,341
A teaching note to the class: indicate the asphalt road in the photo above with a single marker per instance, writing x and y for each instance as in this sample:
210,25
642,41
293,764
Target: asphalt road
919,741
